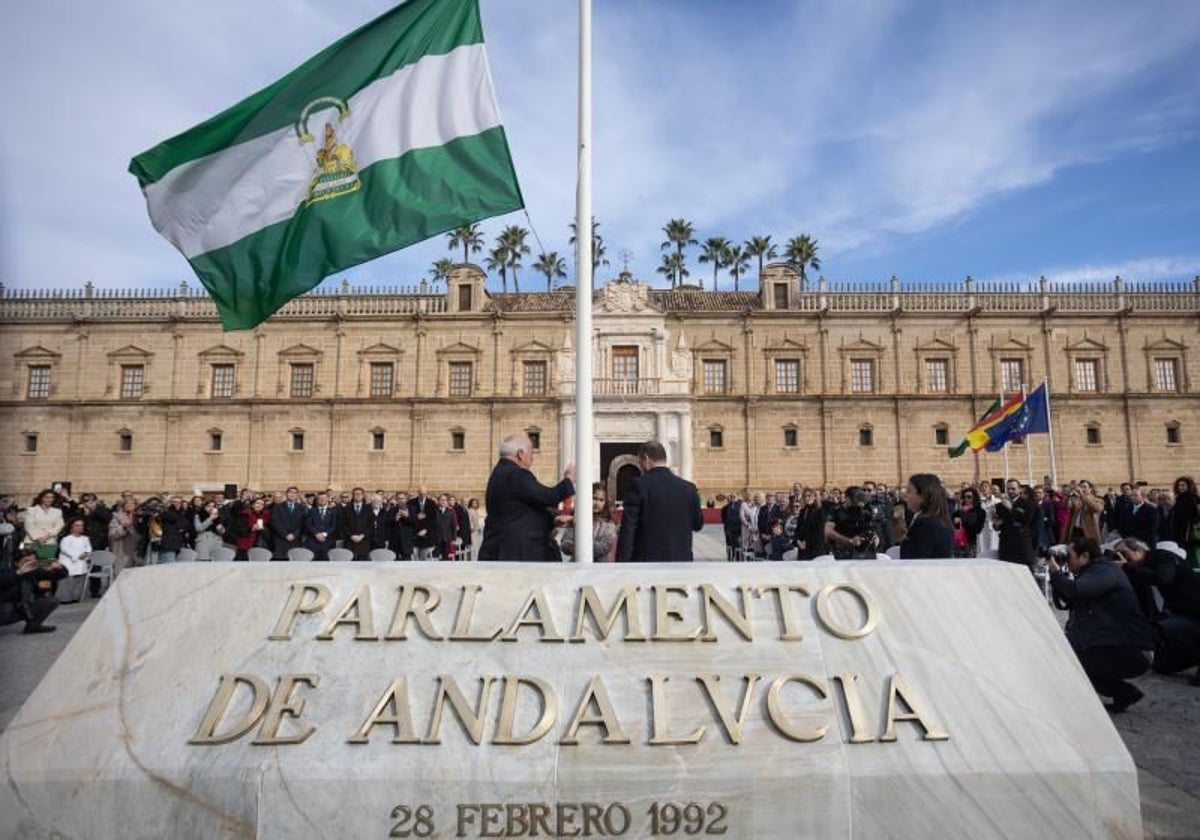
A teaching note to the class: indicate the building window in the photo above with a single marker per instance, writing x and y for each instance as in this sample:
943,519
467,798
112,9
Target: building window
133,381
866,436
787,376
1173,433
941,436
1087,375
39,382
535,379
297,441
222,380
30,444
715,381
791,438
1093,434
1012,375
716,438
535,440
302,379
465,298
458,441
625,365
460,379
1166,374
937,376
383,379
781,295
377,440
215,441
125,441
862,376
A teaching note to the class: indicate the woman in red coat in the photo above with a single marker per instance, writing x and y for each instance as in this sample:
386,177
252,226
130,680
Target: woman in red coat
253,527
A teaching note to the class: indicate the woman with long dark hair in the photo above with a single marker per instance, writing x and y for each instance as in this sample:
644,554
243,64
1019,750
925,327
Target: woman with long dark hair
969,519
929,533
1185,519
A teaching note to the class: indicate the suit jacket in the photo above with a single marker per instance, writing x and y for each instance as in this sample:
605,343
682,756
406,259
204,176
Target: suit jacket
661,512
426,525
1141,523
316,522
520,515
284,522
353,522
927,539
400,535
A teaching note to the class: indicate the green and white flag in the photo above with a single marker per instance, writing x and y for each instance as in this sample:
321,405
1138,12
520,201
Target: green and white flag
388,137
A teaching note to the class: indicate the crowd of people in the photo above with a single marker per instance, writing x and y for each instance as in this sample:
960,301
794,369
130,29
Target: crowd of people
1124,563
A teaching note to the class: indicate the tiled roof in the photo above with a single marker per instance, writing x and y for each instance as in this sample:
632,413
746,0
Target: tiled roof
695,301
534,302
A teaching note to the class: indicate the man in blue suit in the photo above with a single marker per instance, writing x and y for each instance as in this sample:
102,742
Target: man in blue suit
661,510
520,509
287,524
320,527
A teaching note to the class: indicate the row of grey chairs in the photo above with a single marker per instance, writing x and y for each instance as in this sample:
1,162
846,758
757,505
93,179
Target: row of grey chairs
225,554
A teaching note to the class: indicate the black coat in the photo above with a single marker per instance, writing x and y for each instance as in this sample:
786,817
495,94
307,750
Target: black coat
284,522
400,535
1140,522
1104,608
351,522
1184,516
661,511
176,529
423,530
1016,531
927,538
520,515
810,530
316,522
97,523
1175,579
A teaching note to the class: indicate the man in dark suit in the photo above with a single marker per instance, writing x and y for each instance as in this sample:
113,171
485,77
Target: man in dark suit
422,514
320,527
400,540
1138,518
287,524
661,511
356,524
520,509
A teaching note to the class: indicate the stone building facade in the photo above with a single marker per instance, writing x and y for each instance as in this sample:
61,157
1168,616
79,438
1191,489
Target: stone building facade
395,388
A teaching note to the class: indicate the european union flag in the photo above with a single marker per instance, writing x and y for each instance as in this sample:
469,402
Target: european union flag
1032,418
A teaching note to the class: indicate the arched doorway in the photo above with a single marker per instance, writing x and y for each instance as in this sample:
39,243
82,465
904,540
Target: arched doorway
621,471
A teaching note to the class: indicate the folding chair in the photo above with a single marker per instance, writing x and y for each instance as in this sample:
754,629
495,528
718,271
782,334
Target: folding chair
300,555
223,554
340,555
186,555
382,555
101,569
259,555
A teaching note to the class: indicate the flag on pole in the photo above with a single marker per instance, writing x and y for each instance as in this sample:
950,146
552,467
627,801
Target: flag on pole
979,436
387,137
965,443
1032,417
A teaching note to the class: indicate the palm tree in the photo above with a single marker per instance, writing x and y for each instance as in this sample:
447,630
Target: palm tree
737,260
553,266
674,267
713,251
679,233
441,270
468,238
801,253
513,240
761,247
598,247
497,260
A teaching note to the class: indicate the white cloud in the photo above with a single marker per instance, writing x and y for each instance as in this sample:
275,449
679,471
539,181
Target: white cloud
1136,270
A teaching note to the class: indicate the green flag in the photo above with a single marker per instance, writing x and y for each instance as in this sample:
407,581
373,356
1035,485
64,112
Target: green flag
388,137
965,444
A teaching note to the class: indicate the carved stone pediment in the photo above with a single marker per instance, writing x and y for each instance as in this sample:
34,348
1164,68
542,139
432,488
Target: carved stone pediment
625,296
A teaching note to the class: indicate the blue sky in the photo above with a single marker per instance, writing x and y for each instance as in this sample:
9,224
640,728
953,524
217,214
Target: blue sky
930,140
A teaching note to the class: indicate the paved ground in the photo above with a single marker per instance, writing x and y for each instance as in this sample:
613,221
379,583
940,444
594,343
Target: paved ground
1162,732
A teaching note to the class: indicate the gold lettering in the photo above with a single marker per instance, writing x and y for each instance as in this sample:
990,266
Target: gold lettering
357,611
740,621
660,718
391,710
466,611
604,620
791,627
664,614
282,704
729,721
296,605
543,619
775,710
606,716
508,711
260,693
408,606
898,688
854,708
472,720
825,614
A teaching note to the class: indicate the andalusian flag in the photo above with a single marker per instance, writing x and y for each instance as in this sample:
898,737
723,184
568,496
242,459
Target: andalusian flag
979,436
965,444
387,137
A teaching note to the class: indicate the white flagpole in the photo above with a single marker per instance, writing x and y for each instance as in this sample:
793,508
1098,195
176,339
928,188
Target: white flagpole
583,297
1028,446
1050,430
1005,445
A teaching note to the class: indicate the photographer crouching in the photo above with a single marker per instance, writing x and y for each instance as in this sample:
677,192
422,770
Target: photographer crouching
1106,629
28,592
1177,623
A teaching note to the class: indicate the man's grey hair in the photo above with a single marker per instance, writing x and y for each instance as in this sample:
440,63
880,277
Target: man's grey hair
1133,544
513,444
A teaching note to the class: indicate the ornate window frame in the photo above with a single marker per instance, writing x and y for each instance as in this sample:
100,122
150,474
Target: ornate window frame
457,352
298,354
378,352
532,351
1167,348
786,350
862,349
1085,349
1010,347
32,357
937,349
220,354
130,354
712,350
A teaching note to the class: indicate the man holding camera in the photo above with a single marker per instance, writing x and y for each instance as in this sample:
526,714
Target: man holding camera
28,592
